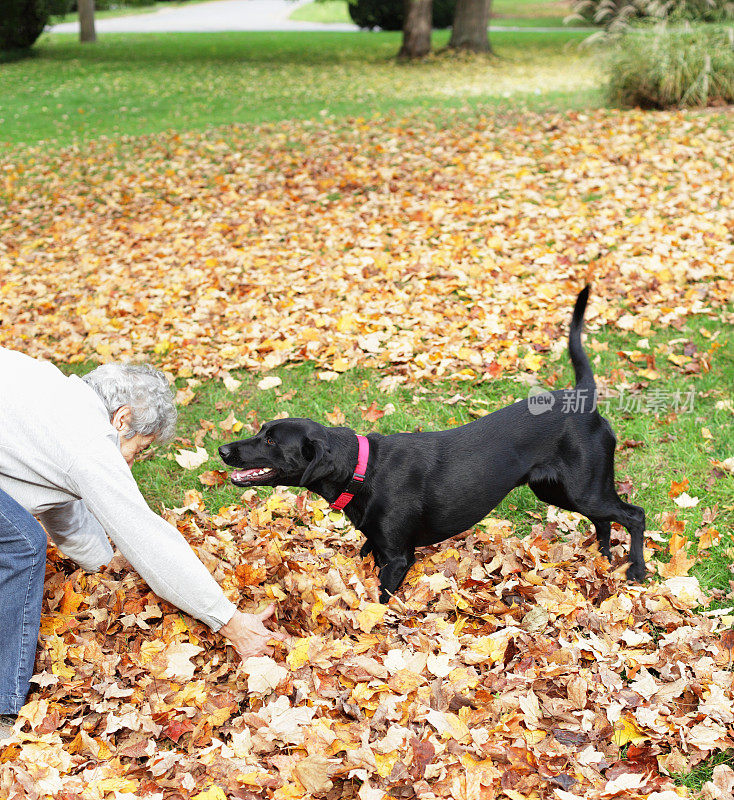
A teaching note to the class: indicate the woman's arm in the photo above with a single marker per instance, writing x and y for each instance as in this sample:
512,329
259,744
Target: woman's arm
77,534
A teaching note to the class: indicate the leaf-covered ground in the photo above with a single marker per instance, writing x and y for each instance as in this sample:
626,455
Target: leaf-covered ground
424,251
506,667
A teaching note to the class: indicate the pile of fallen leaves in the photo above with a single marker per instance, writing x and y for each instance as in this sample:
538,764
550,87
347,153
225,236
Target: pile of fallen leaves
425,251
506,667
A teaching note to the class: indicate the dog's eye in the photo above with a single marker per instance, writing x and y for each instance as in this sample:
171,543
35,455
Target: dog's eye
269,440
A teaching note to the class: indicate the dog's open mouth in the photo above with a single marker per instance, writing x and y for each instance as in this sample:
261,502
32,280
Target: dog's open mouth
246,477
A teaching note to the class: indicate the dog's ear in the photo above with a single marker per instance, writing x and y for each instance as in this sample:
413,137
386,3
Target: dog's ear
319,460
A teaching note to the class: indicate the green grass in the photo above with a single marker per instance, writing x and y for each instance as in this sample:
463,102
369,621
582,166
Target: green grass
673,446
326,12
518,13
702,773
134,84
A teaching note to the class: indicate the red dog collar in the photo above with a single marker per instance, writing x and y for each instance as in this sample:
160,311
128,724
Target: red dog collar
357,478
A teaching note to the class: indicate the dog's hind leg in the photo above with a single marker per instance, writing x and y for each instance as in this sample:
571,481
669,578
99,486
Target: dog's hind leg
633,518
603,533
611,508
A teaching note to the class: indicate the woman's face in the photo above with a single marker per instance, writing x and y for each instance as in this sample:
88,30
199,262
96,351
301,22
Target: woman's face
131,447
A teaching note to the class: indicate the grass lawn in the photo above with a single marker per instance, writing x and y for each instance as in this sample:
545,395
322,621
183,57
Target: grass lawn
508,13
132,84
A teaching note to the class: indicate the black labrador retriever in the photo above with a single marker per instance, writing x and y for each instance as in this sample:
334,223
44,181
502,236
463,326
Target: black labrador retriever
416,489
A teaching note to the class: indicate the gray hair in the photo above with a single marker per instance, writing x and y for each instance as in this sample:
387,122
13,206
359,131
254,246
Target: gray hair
144,389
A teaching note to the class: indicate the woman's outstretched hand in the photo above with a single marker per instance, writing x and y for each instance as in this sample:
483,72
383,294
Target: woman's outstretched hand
248,635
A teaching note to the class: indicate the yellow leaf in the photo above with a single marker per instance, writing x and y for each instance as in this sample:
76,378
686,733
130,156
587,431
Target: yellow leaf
276,503
117,785
627,730
385,763
149,650
345,324
706,433
298,655
290,791
533,361
371,615
219,717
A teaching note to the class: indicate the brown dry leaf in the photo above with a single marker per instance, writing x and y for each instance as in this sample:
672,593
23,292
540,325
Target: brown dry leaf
184,396
335,417
679,565
313,772
214,477
231,424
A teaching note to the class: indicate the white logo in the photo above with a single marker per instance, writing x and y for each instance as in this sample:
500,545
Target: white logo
540,400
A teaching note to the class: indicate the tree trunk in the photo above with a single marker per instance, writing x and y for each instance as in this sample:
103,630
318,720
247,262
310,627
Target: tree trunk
87,33
417,29
470,28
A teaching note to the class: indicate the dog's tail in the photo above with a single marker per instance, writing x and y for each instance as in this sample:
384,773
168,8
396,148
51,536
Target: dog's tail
581,365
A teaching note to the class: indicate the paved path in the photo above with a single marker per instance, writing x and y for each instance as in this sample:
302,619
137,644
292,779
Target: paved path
231,15
218,15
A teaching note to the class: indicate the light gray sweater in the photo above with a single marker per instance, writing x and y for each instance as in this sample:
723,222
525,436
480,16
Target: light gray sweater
60,459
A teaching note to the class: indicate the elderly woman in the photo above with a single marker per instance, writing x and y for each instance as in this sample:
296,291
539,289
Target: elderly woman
66,447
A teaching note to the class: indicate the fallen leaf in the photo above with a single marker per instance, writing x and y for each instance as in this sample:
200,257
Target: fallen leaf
192,459
214,477
270,382
686,501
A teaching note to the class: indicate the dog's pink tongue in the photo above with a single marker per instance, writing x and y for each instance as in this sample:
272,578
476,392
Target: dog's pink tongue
241,474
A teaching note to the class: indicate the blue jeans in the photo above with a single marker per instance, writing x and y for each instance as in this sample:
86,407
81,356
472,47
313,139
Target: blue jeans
22,570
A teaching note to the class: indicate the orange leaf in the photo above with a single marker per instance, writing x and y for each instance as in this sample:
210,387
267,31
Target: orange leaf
678,488
373,413
71,601
671,523
214,477
709,538
677,542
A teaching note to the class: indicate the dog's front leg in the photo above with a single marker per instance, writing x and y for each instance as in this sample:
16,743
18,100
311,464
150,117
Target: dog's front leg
392,572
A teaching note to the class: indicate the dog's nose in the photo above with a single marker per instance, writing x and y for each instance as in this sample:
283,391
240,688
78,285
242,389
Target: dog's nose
225,451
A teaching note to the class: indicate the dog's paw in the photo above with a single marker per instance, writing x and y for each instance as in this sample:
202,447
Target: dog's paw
365,550
636,572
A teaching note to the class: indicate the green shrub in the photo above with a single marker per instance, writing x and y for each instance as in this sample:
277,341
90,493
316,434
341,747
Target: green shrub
21,22
666,66
615,15
59,8
390,14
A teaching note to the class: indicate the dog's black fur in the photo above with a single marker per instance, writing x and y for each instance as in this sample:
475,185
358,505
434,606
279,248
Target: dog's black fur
422,488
